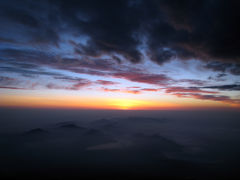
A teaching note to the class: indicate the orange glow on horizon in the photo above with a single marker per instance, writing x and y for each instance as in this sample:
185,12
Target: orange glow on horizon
81,103
73,102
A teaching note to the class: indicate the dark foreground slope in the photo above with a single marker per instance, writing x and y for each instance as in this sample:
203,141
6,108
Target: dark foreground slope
119,145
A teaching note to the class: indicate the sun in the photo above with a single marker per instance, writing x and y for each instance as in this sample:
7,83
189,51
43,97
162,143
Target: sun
125,104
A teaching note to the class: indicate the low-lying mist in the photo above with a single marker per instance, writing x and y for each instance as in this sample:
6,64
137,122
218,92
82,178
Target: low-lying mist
69,144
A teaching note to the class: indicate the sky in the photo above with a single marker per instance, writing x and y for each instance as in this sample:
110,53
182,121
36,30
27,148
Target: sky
129,54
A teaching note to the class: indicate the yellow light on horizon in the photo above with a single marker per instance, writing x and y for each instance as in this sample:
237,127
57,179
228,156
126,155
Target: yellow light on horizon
81,102
125,104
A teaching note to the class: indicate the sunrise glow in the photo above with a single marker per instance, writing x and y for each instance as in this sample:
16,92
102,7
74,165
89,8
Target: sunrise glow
133,89
67,65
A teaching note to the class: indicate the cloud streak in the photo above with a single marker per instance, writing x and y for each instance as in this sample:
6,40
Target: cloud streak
130,90
187,90
15,88
229,87
220,98
75,86
106,83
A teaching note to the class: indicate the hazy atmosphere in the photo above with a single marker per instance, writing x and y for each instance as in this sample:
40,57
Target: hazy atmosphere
140,89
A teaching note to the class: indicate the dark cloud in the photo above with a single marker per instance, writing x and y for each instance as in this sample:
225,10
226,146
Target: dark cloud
104,82
131,91
122,90
49,34
30,63
230,87
27,72
11,83
198,93
156,79
6,40
94,64
110,26
193,81
36,22
134,87
75,86
110,90
216,98
209,28
150,89
218,77
4,79
233,68
54,86
160,55
204,30
187,90
107,68
69,78
220,98
20,16
8,87
218,66
37,57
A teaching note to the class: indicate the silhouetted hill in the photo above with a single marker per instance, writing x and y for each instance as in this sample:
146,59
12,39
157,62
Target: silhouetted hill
36,131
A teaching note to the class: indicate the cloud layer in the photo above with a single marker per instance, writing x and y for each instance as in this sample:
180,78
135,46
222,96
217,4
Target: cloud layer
203,30
109,39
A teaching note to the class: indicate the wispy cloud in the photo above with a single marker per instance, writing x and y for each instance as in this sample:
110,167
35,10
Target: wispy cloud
122,90
157,79
8,87
229,87
220,98
188,90
75,86
130,90
106,83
